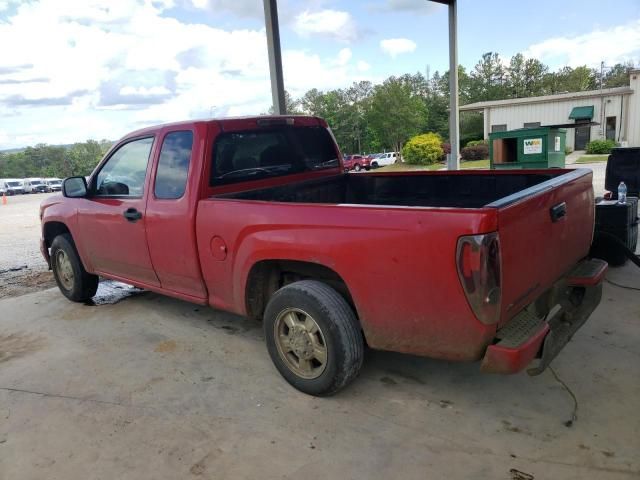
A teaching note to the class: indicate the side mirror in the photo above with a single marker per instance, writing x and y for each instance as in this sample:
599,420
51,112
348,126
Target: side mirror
74,187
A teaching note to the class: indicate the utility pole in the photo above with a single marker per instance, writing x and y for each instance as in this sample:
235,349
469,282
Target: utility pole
275,56
453,161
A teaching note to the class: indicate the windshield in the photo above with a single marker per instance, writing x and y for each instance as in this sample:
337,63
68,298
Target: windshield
54,182
272,152
13,184
36,182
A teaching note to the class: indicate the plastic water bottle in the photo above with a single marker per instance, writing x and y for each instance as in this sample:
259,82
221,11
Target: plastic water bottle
622,193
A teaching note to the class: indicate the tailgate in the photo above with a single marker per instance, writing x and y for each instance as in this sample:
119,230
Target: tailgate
544,231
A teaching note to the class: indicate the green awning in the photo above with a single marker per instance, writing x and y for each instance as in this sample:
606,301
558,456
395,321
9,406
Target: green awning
582,112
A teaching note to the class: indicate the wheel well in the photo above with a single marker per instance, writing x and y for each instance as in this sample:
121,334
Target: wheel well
268,276
52,230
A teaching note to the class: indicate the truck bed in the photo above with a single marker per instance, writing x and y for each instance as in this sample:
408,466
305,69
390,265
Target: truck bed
464,189
399,230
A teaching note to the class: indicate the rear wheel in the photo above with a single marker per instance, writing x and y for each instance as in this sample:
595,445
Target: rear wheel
313,337
357,168
73,280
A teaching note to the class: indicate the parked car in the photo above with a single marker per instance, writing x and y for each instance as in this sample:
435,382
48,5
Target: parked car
13,186
53,184
257,217
356,162
382,159
34,185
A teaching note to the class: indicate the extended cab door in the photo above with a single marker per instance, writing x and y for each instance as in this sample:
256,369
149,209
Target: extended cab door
112,218
171,210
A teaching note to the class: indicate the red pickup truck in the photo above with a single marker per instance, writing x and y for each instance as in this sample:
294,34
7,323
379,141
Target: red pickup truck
256,216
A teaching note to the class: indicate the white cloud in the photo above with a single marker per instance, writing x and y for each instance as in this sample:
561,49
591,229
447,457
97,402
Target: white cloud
344,56
101,73
331,23
363,66
411,6
397,46
614,45
241,8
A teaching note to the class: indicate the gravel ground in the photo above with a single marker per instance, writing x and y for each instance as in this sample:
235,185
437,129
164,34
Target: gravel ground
22,268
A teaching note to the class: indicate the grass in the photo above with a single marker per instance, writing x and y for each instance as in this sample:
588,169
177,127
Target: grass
405,167
475,164
592,158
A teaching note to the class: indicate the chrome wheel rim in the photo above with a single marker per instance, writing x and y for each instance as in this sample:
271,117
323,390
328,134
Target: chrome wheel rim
300,343
64,269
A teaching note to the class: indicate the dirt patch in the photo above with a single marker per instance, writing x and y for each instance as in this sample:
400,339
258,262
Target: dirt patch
23,281
166,346
14,345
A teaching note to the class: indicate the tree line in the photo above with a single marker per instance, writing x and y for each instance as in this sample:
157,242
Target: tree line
58,161
367,117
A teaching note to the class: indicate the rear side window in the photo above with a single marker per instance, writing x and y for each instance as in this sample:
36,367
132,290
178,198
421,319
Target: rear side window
272,152
173,165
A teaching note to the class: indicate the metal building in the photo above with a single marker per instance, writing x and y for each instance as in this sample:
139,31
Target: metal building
617,110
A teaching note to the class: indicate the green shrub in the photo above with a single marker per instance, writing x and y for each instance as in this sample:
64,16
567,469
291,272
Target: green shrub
476,152
599,147
474,143
423,149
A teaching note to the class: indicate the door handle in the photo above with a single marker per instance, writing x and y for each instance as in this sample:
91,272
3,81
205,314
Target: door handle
558,211
132,215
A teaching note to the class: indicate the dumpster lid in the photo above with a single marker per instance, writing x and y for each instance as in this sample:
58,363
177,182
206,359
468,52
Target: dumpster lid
582,112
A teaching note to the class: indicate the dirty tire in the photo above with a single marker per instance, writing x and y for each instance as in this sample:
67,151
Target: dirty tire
340,329
83,285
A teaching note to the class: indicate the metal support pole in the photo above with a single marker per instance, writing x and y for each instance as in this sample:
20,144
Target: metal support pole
453,160
275,56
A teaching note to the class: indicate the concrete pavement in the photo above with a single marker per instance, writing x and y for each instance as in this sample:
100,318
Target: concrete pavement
152,387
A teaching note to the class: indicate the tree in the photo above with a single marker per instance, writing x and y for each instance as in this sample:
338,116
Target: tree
569,79
53,161
397,113
292,105
488,79
534,74
618,75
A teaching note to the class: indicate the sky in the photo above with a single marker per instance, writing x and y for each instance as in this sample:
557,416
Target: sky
88,69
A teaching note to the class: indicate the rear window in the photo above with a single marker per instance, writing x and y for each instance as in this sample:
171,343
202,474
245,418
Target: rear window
272,152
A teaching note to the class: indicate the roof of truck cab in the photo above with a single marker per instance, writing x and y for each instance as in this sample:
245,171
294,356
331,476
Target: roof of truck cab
189,123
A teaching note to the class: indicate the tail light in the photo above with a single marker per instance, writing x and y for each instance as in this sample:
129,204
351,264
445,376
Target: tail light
479,269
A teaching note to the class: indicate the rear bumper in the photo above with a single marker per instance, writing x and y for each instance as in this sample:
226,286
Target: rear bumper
526,337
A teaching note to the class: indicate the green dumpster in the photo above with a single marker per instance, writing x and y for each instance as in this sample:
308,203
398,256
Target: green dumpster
540,147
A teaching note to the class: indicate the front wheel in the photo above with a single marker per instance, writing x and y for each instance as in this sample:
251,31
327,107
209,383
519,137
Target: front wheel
313,337
73,280
357,168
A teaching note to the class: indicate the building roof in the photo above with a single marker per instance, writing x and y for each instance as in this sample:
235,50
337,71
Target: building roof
605,92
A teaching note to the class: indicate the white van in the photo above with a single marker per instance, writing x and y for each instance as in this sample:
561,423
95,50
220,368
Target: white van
383,159
53,184
34,185
12,186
